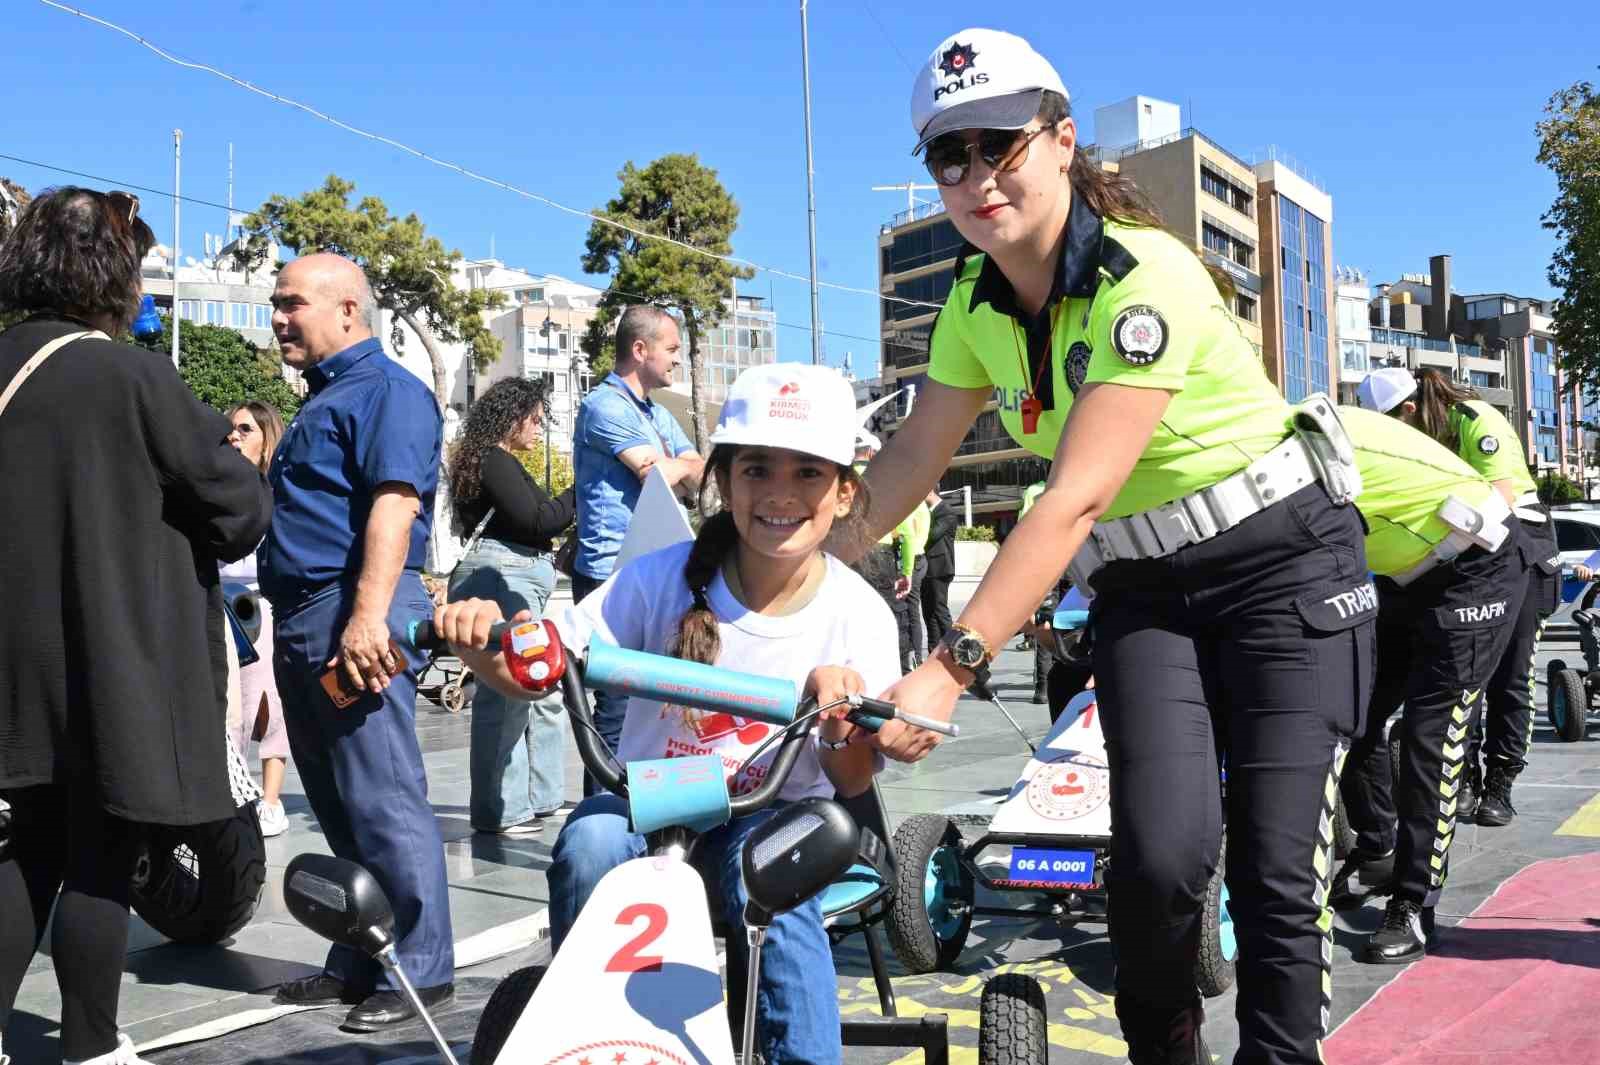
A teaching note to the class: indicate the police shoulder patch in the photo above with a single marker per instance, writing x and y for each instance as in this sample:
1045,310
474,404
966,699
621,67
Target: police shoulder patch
1139,335
1488,444
1078,357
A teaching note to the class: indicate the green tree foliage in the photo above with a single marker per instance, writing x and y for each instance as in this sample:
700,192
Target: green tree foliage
561,475
409,271
1557,488
223,368
677,197
1569,144
13,198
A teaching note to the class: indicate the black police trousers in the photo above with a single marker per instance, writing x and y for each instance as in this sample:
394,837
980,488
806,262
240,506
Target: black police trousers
1256,647
1507,723
1439,641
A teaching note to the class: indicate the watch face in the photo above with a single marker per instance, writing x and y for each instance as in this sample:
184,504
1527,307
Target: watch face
967,651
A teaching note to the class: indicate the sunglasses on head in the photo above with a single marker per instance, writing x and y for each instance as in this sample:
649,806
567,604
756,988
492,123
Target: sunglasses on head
949,158
124,204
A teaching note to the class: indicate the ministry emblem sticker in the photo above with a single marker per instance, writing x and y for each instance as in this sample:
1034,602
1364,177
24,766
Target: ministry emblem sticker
957,59
1070,789
1139,335
1078,357
1488,445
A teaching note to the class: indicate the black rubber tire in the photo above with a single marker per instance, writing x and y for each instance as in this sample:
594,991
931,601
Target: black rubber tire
501,1013
199,884
1012,1029
1572,725
1344,837
916,943
1214,966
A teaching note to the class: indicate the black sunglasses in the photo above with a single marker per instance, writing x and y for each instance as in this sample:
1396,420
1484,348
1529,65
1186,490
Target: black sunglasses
949,158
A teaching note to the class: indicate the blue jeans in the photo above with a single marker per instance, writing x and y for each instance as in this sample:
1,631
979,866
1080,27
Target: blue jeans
363,773
516,763
797,1007
609,707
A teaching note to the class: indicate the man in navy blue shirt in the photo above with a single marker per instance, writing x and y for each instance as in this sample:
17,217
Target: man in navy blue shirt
353,484
619,438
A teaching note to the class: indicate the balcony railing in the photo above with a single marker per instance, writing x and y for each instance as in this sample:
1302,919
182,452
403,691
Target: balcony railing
917,213
1417,340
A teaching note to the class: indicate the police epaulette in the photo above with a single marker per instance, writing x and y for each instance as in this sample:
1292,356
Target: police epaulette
1115,259
1466,412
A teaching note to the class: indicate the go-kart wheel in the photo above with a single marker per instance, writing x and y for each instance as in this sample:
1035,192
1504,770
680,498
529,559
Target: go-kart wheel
1011,1023
1213,969
453,696
199,884
1344,837
502,1012
1568,704
932,910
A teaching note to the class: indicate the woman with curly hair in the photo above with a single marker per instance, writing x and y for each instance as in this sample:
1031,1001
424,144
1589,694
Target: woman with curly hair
516,761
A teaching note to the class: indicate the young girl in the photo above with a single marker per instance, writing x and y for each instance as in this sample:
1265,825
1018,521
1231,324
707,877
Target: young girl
754,592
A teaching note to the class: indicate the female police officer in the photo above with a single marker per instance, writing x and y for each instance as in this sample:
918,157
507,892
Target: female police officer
1456,418
1450,581
1228,573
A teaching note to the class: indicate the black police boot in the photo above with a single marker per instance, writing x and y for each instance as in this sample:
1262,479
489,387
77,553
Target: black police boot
1467,798
1495,808
1403,937
1164,1037
1374,879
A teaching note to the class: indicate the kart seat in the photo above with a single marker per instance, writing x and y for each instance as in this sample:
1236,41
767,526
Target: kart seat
857,901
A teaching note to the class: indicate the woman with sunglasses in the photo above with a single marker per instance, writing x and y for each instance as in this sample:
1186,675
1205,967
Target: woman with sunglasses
120,495
1206,516
257,428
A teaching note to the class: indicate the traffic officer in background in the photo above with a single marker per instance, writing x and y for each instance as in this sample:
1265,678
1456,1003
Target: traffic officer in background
1038,631
1456,418
1210,533
1449,586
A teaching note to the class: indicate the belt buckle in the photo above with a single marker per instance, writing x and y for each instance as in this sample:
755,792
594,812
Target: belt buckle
1172,527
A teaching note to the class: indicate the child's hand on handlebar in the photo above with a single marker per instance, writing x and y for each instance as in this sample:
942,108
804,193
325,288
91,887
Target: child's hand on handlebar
1582,572
830,684
466,623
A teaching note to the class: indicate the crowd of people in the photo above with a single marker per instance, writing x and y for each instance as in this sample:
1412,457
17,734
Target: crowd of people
1268,584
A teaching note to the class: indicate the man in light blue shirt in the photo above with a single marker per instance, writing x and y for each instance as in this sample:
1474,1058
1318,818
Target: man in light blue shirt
619,438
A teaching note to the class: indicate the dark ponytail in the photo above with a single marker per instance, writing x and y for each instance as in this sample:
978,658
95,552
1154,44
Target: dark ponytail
699,639
1436,397
1108,195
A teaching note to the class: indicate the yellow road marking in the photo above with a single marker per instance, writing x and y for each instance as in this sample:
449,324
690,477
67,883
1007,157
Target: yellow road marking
1586,822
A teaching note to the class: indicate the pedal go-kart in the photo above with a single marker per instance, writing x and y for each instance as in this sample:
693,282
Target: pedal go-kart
639,970
1570,692
1050,839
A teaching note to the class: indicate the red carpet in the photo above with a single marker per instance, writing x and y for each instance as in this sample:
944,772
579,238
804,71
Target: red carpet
1520,982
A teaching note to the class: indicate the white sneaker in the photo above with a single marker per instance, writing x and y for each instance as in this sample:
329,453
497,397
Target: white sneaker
123,1055
274,821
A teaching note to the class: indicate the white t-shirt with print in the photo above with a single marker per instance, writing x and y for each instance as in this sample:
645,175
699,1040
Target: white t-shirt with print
847,624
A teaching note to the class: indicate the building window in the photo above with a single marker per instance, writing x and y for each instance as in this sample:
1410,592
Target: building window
189,310
561,341
1244,307
239,315
263,315
214,313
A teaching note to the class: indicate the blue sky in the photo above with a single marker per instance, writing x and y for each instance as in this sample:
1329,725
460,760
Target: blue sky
1421,126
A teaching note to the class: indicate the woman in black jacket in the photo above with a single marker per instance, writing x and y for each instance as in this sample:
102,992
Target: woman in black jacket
517,757
120,495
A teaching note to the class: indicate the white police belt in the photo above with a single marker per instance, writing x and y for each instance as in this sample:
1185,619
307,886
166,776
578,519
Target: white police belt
1485,526
1527,508
1199,516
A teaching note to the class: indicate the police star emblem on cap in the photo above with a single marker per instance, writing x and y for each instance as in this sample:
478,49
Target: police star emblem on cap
957,59
1139,335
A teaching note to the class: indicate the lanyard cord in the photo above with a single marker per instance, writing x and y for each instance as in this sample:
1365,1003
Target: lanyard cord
1049,348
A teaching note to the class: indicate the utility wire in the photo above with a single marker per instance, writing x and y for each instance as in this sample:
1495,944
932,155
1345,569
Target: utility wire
114,183
463,171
